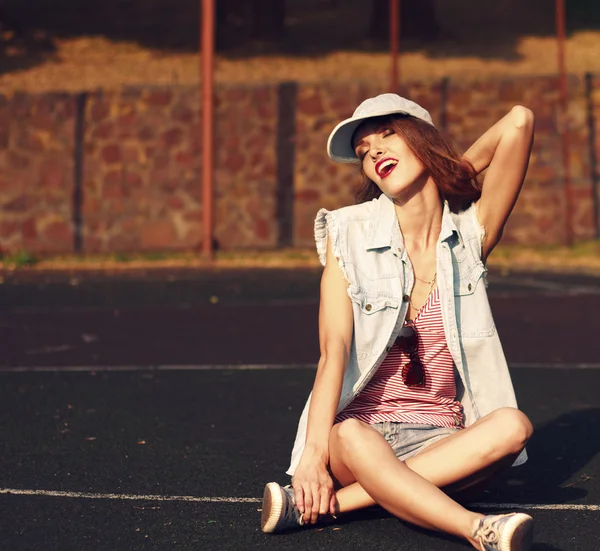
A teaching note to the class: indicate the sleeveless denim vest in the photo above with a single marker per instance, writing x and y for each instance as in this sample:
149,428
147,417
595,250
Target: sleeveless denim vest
368,245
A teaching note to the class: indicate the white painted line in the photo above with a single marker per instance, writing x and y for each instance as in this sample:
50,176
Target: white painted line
201,367
49,349
536,506
250,367
85,495
550,287
197,499
556,365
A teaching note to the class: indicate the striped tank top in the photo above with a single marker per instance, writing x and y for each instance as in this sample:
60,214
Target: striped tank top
387,398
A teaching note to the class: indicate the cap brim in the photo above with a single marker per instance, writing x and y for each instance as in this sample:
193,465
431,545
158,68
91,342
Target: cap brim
339,144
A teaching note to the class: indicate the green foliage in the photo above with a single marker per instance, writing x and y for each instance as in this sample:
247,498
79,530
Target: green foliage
586,248
122,257
156,255
152,256
18,259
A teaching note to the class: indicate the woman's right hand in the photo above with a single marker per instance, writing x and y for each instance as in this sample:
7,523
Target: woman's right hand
313,488
312,483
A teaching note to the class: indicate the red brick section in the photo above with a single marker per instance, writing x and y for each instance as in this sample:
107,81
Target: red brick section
142,162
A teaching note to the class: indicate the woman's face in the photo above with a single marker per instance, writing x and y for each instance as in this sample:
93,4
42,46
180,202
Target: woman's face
387,160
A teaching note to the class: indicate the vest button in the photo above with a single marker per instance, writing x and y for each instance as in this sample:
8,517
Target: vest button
368,307
469,286
405,298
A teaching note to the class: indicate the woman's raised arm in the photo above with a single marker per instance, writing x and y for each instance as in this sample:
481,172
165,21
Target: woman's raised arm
311,482
504,150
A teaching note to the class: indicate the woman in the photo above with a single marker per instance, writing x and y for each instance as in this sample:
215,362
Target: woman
412,406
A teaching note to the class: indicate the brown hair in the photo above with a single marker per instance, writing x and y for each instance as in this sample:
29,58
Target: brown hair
455,176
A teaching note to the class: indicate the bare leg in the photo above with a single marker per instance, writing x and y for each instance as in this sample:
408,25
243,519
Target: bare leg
410,490
469,458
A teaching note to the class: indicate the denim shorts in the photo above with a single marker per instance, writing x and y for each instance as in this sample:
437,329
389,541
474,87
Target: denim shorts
408,439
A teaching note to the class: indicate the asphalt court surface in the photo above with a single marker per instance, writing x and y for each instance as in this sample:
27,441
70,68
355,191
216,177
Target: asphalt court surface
148,410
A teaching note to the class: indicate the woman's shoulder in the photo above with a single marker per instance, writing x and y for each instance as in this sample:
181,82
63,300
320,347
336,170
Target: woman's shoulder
338,224
360,211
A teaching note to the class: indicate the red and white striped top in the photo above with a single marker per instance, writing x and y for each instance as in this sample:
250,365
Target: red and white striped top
387,398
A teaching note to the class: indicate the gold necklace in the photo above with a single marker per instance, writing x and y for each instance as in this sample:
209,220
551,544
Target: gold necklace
431,284
425,281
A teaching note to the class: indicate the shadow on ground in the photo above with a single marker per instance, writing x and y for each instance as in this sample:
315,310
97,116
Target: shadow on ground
558,452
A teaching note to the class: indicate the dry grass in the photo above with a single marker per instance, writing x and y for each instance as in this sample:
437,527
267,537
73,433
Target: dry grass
89,63
583,258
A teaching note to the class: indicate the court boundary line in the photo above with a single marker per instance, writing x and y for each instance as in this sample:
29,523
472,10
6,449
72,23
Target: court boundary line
200,499
126,497
251,367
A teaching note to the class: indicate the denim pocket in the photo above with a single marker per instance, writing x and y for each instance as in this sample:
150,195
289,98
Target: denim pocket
467,282
371,302
473,313
375,314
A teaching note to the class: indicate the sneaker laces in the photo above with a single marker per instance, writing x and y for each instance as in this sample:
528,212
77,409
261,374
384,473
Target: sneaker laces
291,513
488,532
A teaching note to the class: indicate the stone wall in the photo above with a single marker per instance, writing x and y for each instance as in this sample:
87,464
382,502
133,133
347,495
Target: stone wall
36,172
142,182
121,171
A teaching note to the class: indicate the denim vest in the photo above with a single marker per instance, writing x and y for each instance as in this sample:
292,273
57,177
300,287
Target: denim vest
368,245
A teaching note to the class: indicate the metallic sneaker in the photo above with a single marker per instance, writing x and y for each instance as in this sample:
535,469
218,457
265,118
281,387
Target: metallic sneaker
279,511
512,532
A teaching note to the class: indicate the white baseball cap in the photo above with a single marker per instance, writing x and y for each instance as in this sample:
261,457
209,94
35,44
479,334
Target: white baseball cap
339,144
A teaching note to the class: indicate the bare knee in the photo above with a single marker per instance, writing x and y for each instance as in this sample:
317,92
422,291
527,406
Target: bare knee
514,429
348,433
